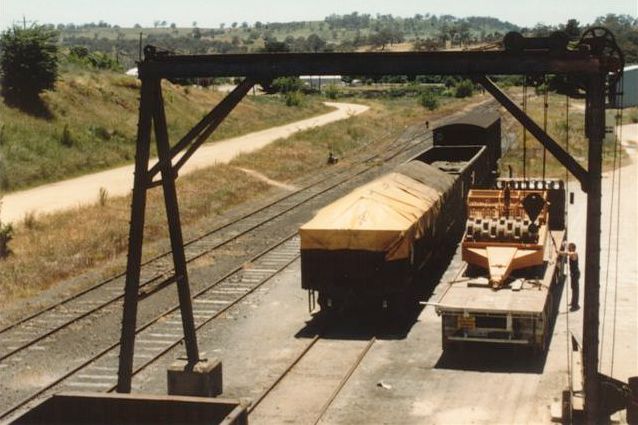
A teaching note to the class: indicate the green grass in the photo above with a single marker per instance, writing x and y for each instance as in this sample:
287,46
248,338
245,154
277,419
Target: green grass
94,120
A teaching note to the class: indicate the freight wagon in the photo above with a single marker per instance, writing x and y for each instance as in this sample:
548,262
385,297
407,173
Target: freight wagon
373,246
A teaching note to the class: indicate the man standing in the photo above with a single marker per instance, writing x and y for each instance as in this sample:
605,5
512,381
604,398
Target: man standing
574,273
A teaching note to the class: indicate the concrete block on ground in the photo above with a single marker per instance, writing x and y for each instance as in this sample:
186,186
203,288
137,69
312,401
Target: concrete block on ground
201,379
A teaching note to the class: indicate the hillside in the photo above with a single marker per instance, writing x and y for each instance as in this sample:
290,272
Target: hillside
89,123
335,32
348,32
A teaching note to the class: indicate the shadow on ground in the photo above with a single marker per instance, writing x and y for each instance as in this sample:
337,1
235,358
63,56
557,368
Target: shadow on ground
479,357
33,106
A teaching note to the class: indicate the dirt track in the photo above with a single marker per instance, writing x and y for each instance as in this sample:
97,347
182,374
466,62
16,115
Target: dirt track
119,181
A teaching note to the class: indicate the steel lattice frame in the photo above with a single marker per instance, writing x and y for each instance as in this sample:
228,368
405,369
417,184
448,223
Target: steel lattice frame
588,68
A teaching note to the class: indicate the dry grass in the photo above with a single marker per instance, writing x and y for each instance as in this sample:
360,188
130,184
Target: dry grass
557,128
307,151
59,246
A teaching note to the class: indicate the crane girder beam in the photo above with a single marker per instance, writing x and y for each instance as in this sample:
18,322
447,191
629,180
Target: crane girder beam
265,66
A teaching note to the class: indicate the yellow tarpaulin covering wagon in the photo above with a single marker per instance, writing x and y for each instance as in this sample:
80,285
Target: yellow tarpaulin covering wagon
378,245
368,241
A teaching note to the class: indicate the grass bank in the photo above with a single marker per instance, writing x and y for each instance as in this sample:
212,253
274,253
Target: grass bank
89,123
52,248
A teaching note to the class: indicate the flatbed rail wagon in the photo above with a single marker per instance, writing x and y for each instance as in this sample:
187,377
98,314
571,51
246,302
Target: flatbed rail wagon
509,287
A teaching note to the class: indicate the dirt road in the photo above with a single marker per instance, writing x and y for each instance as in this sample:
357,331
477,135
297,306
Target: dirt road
119,181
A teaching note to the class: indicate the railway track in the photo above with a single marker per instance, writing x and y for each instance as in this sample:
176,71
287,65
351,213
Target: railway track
339,360
162,333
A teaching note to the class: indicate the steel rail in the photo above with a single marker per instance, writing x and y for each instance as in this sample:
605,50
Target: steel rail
113,346
214,316
281,377
344,380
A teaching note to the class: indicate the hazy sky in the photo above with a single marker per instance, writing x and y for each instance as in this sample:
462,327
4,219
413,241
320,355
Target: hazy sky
212,13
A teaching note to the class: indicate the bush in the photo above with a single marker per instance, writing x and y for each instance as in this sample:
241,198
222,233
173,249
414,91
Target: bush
93,60
294,98
287,85
429,100
29,62
6,234
332,91
464,88
66,138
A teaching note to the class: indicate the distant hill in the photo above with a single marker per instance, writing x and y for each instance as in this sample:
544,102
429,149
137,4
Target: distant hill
335,33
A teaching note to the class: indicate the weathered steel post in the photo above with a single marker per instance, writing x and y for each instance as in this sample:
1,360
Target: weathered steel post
595,132
136,235
175,227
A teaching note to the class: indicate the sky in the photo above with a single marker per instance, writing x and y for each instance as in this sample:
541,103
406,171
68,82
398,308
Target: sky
127,13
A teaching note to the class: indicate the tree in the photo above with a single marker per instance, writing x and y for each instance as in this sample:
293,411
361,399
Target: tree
572,28
429,100
315,43
271,45
464,88
29,63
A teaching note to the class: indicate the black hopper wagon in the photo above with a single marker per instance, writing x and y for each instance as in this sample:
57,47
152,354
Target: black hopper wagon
375,245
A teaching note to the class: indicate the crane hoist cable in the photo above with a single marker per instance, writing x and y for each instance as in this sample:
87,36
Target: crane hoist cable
567,336
570,369
618,137
525,129
566,170
608,260
545,107
613,219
